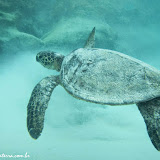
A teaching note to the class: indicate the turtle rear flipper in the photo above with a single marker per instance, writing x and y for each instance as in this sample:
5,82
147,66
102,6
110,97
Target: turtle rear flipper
150,111
38,104
90,43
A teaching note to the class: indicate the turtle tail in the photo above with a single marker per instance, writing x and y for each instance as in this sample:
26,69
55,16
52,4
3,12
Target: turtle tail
150,111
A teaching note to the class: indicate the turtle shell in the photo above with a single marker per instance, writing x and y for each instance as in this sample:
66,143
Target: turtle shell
108,77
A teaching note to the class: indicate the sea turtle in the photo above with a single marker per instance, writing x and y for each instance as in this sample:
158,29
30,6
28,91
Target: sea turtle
100,76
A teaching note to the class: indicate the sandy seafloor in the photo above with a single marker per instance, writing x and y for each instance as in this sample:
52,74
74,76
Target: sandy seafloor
75,130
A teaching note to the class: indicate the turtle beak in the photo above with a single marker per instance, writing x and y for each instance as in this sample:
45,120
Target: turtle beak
37,58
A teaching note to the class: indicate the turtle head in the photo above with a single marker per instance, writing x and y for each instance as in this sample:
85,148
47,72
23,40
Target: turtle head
50,60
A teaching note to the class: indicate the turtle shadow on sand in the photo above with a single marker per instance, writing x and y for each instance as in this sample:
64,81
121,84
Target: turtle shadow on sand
99,76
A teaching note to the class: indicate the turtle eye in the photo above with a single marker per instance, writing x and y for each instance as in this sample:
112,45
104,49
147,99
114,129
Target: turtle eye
40,57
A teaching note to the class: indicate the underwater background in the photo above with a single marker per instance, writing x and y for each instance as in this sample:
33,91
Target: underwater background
74,129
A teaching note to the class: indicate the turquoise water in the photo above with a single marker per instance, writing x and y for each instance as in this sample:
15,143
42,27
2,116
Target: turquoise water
73,129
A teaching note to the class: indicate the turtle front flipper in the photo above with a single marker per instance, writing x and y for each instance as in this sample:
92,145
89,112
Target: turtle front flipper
150,111
38,104
90,43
